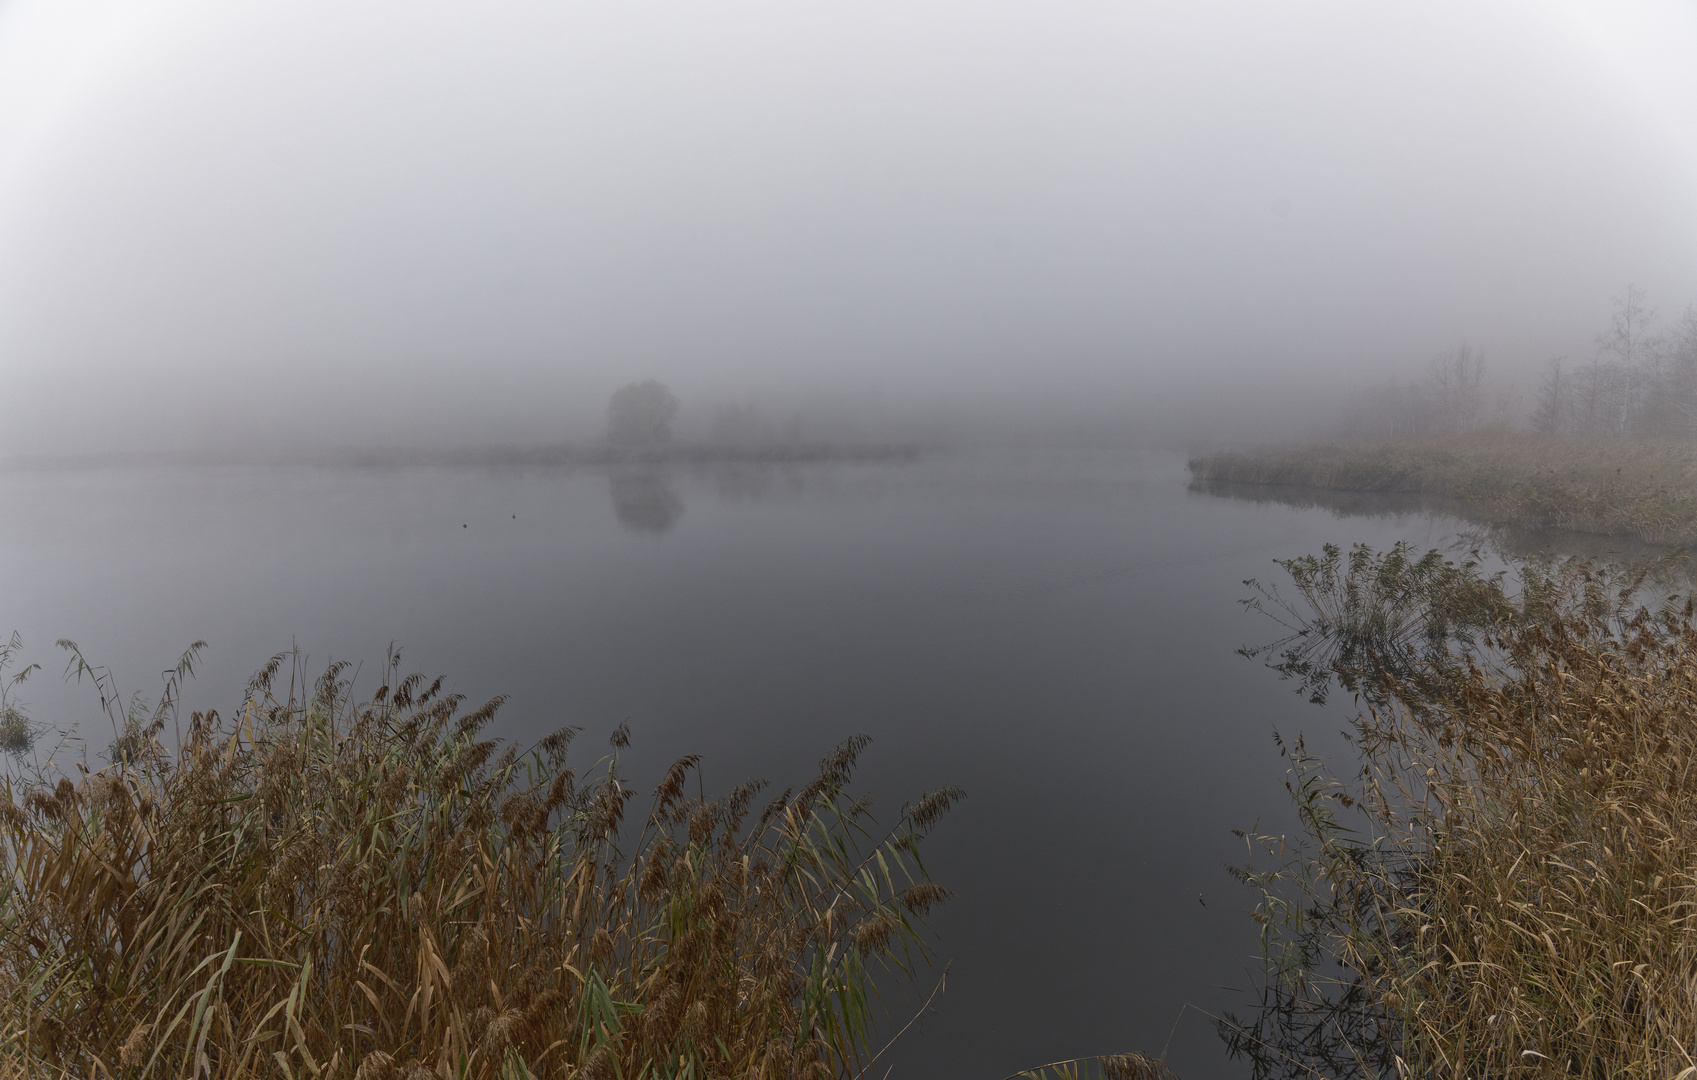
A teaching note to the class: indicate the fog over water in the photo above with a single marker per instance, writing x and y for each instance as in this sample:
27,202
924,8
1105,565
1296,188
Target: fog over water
311,314
1052,630
380,223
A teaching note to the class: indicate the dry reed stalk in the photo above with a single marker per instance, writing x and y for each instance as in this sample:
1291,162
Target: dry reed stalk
371,891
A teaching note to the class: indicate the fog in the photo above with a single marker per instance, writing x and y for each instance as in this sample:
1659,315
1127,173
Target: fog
1065,241
289,226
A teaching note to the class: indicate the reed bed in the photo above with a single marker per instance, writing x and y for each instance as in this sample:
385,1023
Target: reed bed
373,890
1640,488
1508,885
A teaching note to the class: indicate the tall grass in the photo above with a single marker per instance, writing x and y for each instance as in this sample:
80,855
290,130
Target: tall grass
1641,488
1508,885
329,888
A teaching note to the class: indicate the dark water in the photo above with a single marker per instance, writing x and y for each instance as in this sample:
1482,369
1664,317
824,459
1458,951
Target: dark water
1053,631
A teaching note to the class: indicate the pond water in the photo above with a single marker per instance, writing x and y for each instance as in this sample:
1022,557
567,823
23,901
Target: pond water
1053,630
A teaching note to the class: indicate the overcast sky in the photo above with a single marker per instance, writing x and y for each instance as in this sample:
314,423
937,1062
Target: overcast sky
363,221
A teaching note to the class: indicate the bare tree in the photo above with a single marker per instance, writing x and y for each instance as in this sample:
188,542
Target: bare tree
1552,413
1627,349
1680,367
1385,410
1628,339
1455,381
1593,393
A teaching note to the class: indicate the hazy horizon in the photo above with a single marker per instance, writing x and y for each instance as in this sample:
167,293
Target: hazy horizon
743,258
376,224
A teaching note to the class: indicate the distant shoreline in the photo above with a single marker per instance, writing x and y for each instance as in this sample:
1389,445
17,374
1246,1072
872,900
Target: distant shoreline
679,454
558,454
1645,489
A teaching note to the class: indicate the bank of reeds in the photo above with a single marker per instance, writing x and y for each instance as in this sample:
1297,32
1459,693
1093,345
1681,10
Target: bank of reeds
1640,488
319,887
1508,885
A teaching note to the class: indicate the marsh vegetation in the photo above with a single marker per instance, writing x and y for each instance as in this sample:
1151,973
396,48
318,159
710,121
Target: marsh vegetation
1502,880
319,886
1641,489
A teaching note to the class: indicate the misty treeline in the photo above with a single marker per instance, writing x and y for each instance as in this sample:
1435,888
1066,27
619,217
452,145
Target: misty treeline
640,416
1641,380
1450,397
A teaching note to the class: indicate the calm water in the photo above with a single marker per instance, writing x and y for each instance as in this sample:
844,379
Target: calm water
1053,631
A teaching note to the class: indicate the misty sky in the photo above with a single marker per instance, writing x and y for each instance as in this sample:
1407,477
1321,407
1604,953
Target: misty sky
353,221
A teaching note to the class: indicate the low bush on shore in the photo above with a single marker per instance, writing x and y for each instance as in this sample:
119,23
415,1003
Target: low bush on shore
1640,488
318,887
1508,885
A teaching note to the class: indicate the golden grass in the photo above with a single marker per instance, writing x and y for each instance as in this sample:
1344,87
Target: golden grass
1642,488
330,889
1509,885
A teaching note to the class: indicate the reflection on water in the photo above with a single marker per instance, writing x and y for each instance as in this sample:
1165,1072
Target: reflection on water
644,500
737,482
1505,539
1342,503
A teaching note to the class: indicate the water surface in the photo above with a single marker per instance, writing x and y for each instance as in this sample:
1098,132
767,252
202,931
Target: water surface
1052,630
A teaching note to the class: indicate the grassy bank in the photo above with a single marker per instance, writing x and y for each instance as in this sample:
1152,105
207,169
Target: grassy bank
1644,489
1504,883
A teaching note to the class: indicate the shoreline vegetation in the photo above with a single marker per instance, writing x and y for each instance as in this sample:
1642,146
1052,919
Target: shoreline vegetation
1644,489
1501,878
323,886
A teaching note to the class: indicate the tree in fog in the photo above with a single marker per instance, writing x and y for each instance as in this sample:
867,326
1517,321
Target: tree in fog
640,415
1640,383
1387,410
1679,368
1593,390
1455,383
1450,398
1626,351
1628,340
1623,391
1551,415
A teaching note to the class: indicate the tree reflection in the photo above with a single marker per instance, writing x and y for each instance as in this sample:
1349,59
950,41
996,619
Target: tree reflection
644,500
